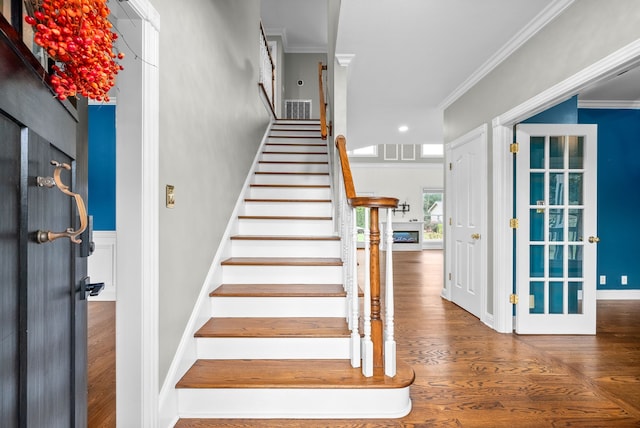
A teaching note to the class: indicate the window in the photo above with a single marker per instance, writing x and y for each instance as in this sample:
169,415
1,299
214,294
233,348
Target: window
433,206
432,150
371,151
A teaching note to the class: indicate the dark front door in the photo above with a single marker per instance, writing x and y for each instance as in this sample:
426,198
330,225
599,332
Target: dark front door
43,313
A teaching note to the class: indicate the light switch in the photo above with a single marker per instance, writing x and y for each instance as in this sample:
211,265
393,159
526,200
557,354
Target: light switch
603,279
623,280
171,197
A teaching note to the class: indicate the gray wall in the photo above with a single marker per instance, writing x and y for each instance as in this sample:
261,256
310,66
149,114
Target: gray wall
586,32
303,66
211,123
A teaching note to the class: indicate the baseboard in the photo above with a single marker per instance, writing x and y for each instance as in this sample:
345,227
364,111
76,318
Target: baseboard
618,294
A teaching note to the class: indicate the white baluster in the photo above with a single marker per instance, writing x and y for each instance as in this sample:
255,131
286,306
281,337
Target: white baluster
355,303
367,344
389,339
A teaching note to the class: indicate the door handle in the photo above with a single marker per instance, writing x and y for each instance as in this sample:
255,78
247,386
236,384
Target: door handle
475,236
594,239
43,236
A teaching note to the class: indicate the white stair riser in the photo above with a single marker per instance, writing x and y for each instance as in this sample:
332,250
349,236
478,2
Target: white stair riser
226,348
301,141
313,209
272,248
295,132
291,179
282,274
277,307
293,167
294,157
297,124
285,227
298,148
289,193
294,403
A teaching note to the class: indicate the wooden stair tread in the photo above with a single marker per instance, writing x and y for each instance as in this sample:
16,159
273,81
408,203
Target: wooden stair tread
279,290
287,200
295,136
282,261
275,327
293,153
284,238
298,144
295,374
276,217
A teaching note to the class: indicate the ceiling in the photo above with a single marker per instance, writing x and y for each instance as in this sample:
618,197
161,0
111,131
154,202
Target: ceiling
412,58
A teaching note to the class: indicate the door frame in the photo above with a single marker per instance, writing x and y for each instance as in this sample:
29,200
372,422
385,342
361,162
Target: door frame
480,132
137,216
502,185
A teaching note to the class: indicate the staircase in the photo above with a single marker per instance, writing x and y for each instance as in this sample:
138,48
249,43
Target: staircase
277,344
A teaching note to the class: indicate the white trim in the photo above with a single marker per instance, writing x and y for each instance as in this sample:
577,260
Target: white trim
548,14
278,32
502,255
618,294
186,353
111,102
503,167
403,165
479,132
344,60
101,266
387,156
408,156
611,65
604,104
137,320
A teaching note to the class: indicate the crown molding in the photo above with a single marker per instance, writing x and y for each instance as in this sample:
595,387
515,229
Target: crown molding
287,47
344,60
279,32
547,15
609,104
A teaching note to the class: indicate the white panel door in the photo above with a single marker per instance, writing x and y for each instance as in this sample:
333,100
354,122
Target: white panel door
556,239
467,193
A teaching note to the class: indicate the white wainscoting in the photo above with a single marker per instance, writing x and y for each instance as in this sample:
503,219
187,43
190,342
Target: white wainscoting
102,264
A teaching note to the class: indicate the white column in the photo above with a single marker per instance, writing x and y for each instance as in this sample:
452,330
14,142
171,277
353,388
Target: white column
389,329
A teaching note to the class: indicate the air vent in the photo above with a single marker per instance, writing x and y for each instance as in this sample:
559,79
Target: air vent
297,109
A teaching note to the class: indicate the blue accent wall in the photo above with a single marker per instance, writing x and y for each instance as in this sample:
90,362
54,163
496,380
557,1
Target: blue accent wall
566,112
102,166
618,194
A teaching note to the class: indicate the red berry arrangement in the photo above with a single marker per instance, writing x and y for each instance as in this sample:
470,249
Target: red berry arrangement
77,35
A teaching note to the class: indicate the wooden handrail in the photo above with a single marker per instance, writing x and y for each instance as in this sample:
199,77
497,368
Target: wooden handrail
323,104
273,69
374,203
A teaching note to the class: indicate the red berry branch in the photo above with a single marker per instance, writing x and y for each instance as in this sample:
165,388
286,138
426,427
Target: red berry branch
77,35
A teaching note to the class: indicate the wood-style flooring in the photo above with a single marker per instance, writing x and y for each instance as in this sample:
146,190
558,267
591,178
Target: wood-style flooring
467,375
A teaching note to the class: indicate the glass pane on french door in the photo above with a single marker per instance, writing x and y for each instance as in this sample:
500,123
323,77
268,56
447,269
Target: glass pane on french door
552,272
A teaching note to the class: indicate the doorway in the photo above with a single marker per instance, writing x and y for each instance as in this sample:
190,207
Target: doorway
466,250
503,167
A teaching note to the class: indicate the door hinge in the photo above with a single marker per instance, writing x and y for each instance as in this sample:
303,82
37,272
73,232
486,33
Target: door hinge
514,148
513,223
513,299
450,221
449,276
450,166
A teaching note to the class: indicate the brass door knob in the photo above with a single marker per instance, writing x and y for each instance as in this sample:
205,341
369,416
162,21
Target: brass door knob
475,236
594,239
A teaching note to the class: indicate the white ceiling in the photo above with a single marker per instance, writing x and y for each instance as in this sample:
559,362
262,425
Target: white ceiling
412,57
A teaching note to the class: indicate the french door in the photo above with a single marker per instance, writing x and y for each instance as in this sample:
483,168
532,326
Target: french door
556,238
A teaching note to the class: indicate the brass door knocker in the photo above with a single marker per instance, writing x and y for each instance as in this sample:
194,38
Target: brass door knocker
48,236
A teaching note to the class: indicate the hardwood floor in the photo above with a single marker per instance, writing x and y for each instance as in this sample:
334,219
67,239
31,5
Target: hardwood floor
102,364
467,375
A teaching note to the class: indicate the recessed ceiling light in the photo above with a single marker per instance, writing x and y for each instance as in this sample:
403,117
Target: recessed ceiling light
403,128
